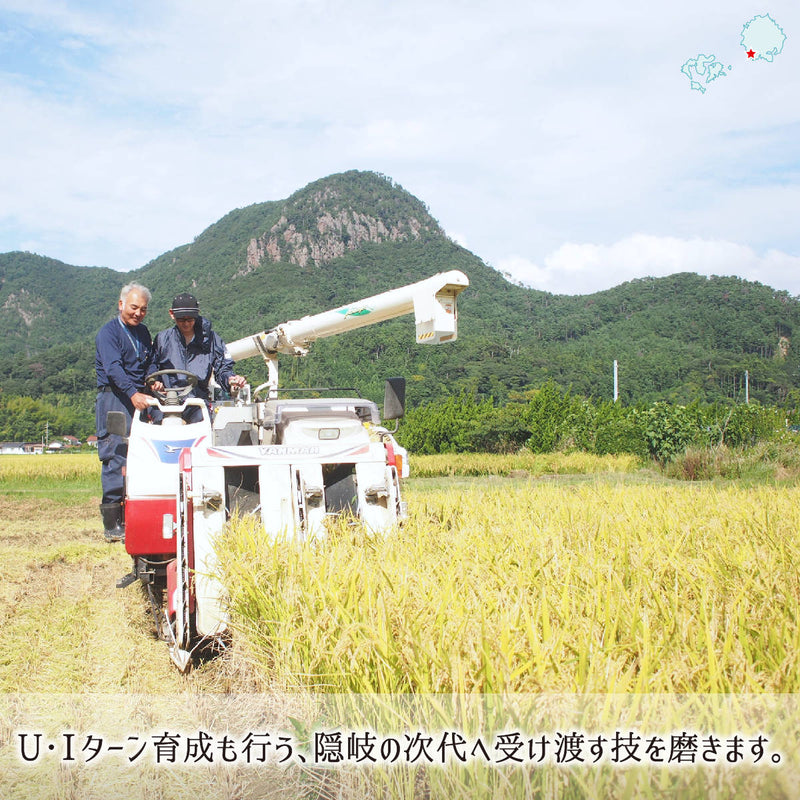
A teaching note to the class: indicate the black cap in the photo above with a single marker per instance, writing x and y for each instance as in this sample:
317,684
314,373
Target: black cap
185,305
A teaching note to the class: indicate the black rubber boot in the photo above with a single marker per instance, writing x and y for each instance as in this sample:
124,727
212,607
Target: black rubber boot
113,522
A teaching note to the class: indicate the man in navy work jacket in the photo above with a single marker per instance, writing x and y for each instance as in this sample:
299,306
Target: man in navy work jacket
123,356
193,345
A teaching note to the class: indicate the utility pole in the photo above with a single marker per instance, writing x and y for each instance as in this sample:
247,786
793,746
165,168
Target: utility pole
616,381
747,387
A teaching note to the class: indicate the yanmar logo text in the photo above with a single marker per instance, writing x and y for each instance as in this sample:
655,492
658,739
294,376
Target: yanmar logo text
286,450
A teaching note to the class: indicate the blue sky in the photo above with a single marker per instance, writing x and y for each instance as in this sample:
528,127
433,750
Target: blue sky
560,142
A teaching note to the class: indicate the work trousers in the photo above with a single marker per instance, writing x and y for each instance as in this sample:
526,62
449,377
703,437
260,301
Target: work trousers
111,448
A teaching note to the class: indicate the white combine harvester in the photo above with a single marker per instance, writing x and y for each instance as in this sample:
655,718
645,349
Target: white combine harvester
292,461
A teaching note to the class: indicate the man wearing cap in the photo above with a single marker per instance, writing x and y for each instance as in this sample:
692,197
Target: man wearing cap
193,345
123,357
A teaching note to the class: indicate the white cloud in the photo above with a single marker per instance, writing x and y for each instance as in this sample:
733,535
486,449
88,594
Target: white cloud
128,128
587,268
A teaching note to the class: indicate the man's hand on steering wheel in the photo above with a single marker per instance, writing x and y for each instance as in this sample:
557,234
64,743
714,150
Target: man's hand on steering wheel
172,395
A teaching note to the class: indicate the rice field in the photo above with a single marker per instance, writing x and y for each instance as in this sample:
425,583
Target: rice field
604,600
68,477
520,464
49,468
591,587
550,592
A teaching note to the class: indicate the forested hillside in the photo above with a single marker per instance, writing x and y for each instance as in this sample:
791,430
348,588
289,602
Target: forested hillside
351,235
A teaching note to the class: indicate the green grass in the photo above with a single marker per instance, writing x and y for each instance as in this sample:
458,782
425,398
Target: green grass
773,462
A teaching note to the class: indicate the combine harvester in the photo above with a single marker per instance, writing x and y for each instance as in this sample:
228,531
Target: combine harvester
293,461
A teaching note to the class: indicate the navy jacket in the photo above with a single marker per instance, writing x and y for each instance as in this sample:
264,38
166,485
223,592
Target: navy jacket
123,356
204,355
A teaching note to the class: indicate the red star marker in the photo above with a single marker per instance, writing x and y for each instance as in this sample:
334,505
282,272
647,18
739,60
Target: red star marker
751,53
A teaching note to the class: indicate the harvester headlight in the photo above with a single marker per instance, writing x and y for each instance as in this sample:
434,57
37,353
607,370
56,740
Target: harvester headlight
328,434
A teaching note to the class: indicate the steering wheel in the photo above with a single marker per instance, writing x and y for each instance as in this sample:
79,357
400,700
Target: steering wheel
173,395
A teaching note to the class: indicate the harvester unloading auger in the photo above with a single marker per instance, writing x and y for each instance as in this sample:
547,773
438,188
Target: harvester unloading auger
291,461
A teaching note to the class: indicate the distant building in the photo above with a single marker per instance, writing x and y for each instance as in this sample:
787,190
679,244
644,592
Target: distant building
71,441
21,448
92,441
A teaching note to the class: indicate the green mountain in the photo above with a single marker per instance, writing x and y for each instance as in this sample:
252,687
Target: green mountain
354,234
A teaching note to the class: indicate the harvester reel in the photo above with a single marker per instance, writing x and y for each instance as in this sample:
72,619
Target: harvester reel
173,395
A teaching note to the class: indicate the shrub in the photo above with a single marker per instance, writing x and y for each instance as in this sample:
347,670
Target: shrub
617,430
444,426
748,424
503,430
668,430
548,419
546,415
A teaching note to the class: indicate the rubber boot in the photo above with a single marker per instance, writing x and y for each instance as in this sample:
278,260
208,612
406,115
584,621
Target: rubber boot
113,522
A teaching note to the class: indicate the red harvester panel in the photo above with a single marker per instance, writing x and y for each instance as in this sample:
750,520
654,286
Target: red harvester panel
144,521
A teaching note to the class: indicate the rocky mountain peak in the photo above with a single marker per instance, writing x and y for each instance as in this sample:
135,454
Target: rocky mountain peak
338,214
